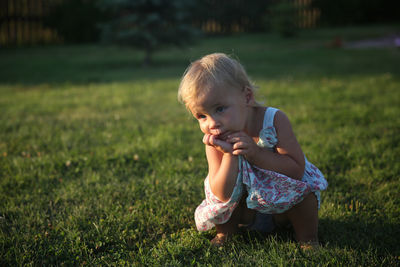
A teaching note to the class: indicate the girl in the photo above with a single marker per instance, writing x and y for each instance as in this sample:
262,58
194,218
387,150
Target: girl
255,164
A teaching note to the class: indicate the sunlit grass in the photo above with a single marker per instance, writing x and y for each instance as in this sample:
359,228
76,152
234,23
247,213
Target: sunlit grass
99,163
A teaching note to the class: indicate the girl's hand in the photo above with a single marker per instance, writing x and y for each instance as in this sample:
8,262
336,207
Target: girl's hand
223,146
243,145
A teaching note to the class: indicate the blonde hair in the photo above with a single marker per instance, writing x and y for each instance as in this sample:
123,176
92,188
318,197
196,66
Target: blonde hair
212,71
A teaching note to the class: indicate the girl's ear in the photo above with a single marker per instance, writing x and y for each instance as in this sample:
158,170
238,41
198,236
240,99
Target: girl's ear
249,96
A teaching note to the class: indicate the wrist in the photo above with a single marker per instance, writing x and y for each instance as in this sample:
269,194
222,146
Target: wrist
229,154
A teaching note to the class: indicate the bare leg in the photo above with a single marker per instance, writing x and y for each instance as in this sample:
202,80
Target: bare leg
226,230
304,218
247,215
241,214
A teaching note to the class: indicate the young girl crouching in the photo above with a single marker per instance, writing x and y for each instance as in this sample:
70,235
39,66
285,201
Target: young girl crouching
256,168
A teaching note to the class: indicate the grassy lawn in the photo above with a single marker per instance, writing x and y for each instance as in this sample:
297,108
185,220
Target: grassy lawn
100,165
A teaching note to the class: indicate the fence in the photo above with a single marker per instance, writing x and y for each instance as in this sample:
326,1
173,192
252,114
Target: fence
22,21
307,16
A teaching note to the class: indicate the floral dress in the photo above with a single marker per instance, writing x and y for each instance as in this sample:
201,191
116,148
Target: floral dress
268,192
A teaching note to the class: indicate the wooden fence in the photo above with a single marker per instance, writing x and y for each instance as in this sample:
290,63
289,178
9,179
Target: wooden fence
307,16
21,22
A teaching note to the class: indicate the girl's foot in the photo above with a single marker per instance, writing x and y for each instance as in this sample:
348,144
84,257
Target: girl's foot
219,240
308,246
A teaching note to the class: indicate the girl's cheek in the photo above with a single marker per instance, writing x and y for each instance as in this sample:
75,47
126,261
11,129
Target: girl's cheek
203,129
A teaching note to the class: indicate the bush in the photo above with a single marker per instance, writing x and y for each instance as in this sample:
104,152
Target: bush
283,18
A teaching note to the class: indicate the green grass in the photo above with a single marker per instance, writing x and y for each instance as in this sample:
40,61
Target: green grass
99,164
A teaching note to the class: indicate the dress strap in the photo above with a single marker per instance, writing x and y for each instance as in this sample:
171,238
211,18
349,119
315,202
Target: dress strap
269,117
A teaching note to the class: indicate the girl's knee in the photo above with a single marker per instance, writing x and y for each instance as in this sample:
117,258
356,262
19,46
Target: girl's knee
308,204
311,201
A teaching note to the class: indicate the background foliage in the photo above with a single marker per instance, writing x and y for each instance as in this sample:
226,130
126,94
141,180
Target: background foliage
148,25
75,20
78,21
357,12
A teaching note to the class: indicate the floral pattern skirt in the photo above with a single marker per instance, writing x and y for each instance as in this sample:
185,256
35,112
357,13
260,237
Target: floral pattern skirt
268,192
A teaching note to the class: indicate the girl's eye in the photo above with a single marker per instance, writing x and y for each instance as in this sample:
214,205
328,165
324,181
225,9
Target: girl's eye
220,109
201,116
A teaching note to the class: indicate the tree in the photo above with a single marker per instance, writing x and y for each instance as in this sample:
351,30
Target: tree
148,24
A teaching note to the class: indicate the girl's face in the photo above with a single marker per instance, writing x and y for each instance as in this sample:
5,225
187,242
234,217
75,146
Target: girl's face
222,111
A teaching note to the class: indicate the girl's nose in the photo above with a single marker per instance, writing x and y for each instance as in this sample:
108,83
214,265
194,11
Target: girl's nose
213,123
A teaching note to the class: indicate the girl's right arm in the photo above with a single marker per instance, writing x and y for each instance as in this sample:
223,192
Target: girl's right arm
223,169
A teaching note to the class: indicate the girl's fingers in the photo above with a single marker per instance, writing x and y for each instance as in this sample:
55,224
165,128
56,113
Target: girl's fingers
236,146
224,146
212,140
233,139
216,142
238,152
238,140
206,139
239,145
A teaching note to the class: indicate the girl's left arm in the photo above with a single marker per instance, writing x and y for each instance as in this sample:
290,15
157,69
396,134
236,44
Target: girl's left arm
288,158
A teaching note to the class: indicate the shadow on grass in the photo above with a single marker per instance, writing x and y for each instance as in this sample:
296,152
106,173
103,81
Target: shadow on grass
353,232
84,64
